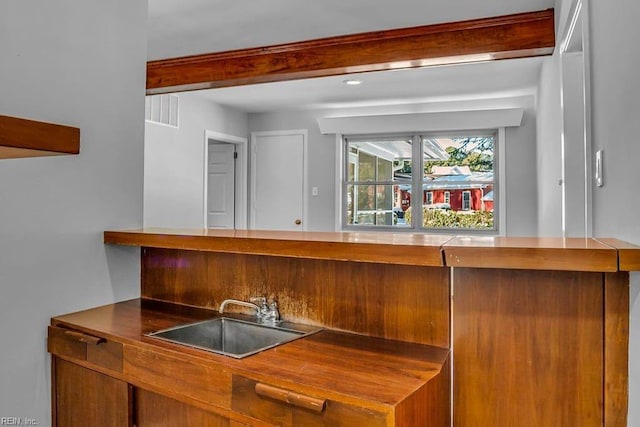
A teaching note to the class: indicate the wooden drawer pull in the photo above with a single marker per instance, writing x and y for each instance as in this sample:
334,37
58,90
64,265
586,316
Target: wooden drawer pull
295,399
79,336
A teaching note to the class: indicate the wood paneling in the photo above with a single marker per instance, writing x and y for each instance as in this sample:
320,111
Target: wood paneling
154,410
616,349
83,397
429,406
528,348
513,36
399,302
398,248
571,254
29,138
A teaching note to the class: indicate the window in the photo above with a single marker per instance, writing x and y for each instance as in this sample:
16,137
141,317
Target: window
466,200
420,182
162,109
429,200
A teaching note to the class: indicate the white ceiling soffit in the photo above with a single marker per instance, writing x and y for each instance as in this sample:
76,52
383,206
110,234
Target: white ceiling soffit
505,78
422,122
188,27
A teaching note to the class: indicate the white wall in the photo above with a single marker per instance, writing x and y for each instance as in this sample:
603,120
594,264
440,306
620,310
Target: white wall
615,61
174,162
615,109
549,150
80,63
520,155
322,170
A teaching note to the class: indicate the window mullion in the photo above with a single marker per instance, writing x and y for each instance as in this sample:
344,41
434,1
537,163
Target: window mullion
416,181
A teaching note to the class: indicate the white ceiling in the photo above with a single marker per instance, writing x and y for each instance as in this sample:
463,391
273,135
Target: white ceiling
179,28
431,84
186,27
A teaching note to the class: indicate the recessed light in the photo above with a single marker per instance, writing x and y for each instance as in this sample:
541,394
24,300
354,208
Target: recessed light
353,82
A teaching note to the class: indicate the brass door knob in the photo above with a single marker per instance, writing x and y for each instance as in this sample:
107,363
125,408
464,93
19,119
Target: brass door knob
298,222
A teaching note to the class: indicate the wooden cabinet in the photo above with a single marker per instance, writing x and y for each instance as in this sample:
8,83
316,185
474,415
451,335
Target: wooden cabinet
154,410
327,379
84,397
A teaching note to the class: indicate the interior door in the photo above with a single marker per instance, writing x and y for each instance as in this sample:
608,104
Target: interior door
221,185
278,183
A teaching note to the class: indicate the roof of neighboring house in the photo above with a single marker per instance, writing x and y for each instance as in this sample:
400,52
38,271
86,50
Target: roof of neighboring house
488,197
460,182
451,170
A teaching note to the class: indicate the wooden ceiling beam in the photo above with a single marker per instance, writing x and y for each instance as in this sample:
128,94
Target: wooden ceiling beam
512,36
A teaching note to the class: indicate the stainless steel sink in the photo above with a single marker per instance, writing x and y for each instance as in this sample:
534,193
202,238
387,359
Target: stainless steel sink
234,337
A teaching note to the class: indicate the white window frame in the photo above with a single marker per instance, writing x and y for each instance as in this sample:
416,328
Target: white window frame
499,224
447,197
429,200
468,201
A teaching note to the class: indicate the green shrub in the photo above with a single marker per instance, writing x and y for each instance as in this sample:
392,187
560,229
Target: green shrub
438,218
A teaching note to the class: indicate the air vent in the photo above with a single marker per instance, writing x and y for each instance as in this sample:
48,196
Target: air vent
162,109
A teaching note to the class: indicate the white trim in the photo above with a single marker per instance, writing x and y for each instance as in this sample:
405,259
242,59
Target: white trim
469,204
449,121
340,170
501,194
578,21
305,173
240,175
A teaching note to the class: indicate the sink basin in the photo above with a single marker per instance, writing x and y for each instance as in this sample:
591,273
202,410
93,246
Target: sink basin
233,337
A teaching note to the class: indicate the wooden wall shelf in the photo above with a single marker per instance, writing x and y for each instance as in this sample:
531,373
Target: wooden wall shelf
21,138
513,36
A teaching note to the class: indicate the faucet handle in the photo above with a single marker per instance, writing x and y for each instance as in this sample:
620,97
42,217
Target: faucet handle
259,301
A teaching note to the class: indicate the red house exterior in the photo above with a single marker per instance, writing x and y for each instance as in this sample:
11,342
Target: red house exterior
472,192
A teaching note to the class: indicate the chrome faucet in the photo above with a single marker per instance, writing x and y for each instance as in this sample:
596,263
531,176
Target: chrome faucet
265,312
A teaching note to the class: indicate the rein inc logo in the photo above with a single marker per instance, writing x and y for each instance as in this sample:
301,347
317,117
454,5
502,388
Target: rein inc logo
18,421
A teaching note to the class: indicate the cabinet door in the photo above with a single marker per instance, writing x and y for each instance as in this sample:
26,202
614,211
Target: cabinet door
154,410
84,397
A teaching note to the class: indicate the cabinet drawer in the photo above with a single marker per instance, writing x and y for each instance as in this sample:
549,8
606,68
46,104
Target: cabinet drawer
85,347
183,377
288,408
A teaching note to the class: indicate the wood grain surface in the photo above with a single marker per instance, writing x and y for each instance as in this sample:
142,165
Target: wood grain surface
407,303
29,138
628,254
528,348
154,410
388,248
513,36
616,349
83,397
571,254
338,366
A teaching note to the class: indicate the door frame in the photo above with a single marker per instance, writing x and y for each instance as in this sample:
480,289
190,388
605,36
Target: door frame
305,171
577,25
241,144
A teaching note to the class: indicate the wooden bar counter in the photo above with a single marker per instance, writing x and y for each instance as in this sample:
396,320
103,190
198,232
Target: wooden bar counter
517,331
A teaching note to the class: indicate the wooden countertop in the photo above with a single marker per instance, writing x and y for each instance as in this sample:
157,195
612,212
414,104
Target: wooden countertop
369,371
571,254
389,248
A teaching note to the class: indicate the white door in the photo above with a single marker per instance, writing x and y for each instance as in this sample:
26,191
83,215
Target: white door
221,185
278,171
